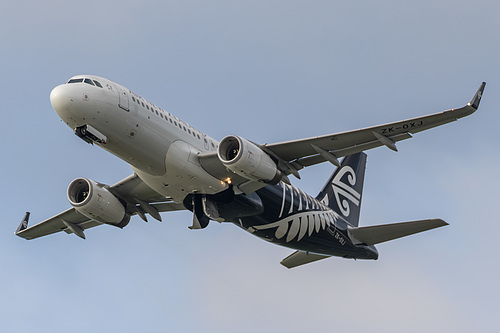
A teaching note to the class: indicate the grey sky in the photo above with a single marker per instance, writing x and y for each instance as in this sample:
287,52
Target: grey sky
268,71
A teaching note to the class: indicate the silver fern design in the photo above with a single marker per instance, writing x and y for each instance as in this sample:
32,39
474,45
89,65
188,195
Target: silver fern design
344,192
300,224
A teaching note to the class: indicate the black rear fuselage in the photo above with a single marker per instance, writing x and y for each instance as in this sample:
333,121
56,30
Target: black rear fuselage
296,220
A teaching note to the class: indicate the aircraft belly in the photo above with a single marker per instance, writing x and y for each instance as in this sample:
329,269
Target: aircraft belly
143,151
184,175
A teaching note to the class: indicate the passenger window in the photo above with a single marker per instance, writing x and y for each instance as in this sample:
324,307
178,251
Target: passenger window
133,98
147,107
97,84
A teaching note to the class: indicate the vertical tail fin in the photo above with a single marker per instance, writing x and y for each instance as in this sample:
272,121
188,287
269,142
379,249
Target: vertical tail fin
344,189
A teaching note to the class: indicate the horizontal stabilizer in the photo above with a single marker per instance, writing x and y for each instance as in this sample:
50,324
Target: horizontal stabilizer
382,233
301,258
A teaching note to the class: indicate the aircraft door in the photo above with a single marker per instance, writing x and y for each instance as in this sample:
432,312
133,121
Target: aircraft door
123,98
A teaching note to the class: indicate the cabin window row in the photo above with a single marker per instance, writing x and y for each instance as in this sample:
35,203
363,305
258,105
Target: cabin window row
169,118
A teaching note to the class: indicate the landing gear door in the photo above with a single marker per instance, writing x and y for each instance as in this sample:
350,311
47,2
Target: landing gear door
123,98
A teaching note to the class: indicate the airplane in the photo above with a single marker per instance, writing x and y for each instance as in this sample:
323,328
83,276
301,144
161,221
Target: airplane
177,167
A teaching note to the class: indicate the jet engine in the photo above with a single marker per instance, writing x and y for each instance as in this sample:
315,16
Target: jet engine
247,160
94,201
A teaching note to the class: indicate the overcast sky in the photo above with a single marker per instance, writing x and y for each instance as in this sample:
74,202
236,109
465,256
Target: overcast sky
269,71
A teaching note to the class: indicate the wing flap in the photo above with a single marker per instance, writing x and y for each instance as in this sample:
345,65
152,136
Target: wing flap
382,233
168,206
316,159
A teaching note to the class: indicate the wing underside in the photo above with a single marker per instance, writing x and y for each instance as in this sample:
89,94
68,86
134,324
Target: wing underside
138,197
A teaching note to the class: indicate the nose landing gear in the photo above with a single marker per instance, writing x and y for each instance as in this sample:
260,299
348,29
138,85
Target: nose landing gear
90,135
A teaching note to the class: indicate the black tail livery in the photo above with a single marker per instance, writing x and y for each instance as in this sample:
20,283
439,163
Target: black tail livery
342,195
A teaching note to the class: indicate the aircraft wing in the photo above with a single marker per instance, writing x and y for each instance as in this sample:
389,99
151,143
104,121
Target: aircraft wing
297,154
139,198
310,151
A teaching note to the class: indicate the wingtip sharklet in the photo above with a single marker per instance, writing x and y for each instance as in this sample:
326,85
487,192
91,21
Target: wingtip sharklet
24,223
477,97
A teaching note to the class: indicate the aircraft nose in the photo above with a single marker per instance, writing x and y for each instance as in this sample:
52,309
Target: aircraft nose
60,98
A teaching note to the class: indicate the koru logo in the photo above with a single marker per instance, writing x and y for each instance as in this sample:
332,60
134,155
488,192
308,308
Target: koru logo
345,192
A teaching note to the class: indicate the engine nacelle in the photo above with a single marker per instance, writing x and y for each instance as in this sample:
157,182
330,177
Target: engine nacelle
94,201
247,160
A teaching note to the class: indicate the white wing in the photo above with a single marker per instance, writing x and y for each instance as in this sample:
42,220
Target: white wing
139,199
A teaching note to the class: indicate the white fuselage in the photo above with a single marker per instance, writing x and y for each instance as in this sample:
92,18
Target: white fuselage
161,149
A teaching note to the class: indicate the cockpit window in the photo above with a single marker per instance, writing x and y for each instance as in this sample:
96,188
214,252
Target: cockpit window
87,81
